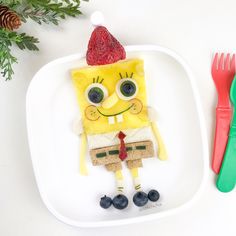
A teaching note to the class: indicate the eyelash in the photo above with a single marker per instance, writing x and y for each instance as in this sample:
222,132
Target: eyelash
100,82
97,80
126,75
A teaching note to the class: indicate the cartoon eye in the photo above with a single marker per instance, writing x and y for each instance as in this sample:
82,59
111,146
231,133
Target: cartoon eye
127,89
96,93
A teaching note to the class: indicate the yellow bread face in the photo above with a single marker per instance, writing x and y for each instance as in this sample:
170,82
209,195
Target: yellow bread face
96,118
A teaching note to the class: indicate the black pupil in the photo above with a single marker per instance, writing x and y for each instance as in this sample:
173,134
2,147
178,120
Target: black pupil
128,88
95,95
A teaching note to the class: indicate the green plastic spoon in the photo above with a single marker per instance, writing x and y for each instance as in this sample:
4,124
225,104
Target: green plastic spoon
227,176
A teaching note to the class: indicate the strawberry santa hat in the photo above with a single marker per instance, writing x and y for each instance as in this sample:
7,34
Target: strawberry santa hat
103,47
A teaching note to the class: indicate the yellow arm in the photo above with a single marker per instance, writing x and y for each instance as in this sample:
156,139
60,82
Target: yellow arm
82,154
162,153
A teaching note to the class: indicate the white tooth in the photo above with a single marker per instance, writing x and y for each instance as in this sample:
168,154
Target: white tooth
119,118
111,120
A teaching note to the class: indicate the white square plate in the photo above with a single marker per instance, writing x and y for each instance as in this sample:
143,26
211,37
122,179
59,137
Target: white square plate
74,199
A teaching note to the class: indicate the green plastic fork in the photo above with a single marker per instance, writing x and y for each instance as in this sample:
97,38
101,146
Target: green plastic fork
227,176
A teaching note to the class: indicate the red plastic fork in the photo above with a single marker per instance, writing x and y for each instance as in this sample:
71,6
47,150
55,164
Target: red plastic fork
223,71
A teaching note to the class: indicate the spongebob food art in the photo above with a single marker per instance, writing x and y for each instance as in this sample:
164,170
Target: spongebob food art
115,124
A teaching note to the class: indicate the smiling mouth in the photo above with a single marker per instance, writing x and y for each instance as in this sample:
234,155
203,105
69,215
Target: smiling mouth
115,114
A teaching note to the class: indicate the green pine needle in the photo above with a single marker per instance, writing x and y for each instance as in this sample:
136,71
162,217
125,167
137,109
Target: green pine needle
27,42
7,38
6,61
48,11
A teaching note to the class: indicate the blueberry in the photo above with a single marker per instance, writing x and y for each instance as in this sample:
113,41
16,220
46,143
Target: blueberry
153,195
95,95
128,88
120,201
105,202
140,199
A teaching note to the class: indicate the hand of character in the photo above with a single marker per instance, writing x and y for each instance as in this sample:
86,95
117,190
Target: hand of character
152,114
77,126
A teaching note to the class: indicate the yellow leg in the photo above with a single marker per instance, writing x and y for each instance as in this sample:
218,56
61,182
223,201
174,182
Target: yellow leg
82,153
136,180
119,181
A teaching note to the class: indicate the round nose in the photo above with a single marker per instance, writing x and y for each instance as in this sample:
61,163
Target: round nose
110,101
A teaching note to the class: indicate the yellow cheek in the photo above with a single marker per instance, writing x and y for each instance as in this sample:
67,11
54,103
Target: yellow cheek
137,106
91,113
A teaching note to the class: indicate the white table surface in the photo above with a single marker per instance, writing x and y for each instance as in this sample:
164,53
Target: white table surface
194,29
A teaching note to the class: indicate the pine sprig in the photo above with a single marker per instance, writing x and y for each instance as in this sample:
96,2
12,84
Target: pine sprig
48,11
7,39
6,61
11,3
40,11
27,42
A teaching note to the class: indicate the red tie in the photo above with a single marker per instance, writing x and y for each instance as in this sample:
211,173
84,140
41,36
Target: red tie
122,153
